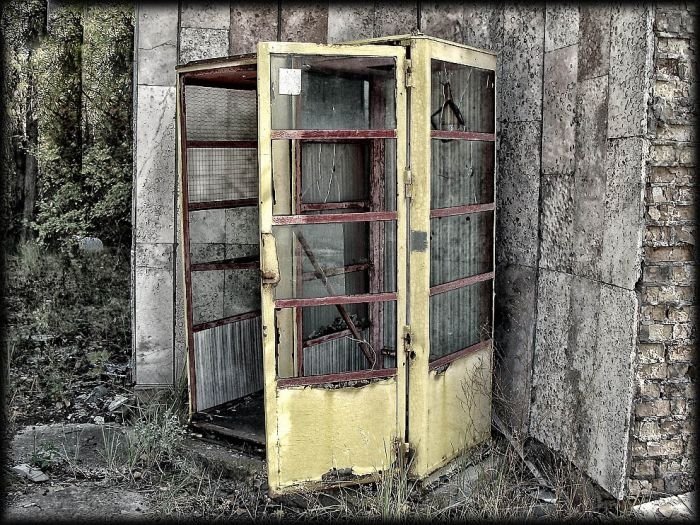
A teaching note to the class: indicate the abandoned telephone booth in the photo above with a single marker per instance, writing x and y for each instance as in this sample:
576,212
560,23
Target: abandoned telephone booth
337,206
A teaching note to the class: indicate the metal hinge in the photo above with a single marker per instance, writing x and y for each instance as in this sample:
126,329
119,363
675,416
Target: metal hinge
409,73
408,183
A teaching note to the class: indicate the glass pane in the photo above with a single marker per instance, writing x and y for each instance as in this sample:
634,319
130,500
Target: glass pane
324,92
460,246
338,177
461,173
328,345
459,319
320,260
462,98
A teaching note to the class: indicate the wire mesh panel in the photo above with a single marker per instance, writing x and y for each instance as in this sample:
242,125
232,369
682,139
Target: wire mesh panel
221,114
217,174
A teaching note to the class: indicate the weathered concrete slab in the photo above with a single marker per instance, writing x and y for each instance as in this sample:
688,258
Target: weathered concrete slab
582,374
156,67
482,25
206,252
252,22
198,44
442,19
631,52
558,110
207,296
561,26
395,18
157,25
594,41
153,314
589,179
514,330
522,60
155,164
551,390
242,291
212,14
348,22
624,226
242,226
208,226
681,507
179,335
609,397
305,22
557,222
518,193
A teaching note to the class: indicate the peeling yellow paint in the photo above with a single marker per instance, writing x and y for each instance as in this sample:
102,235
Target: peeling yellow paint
459,404
321,429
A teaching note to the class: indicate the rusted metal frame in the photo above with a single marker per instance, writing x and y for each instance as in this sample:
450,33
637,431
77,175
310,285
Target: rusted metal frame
376,229
216,205
330,272
299,276
344,134
461,283
345,205
367,350
284,220
461,210
226,320
333,300
447,359
222,144
325,338
336,378
224,265
462,135
184,181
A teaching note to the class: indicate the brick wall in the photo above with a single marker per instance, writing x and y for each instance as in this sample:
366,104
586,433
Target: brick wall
663,436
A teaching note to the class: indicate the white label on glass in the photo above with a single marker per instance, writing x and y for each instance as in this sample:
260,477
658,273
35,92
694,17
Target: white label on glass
290,81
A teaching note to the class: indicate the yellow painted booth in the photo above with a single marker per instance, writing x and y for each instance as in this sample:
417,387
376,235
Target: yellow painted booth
337,212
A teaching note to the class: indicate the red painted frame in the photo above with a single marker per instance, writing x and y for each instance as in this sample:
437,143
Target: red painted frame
462,135
336,378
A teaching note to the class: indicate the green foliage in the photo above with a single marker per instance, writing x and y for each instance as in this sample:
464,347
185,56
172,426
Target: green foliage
68,315
83,74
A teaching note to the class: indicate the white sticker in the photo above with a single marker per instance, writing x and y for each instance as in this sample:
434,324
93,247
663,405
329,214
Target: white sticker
290,81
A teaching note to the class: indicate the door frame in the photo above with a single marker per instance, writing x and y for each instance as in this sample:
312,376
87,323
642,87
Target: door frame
284,426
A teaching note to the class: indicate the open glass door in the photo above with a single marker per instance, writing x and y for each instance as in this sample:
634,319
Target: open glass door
332,152
452,157
217,124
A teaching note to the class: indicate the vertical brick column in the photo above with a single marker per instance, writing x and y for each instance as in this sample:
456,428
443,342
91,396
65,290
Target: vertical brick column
663,435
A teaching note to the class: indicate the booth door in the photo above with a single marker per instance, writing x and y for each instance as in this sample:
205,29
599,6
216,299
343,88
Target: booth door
451,251
331,143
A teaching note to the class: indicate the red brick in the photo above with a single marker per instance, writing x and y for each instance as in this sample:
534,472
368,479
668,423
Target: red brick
668,254
658,408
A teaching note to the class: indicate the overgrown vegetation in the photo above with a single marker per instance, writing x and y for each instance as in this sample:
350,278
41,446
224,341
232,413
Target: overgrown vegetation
68,320
70,80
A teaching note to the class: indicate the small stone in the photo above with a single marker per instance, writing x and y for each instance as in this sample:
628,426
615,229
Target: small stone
117,402
137,475
33,474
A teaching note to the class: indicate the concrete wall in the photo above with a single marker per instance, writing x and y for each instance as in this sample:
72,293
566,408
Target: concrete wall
573,86
595,91
664,409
